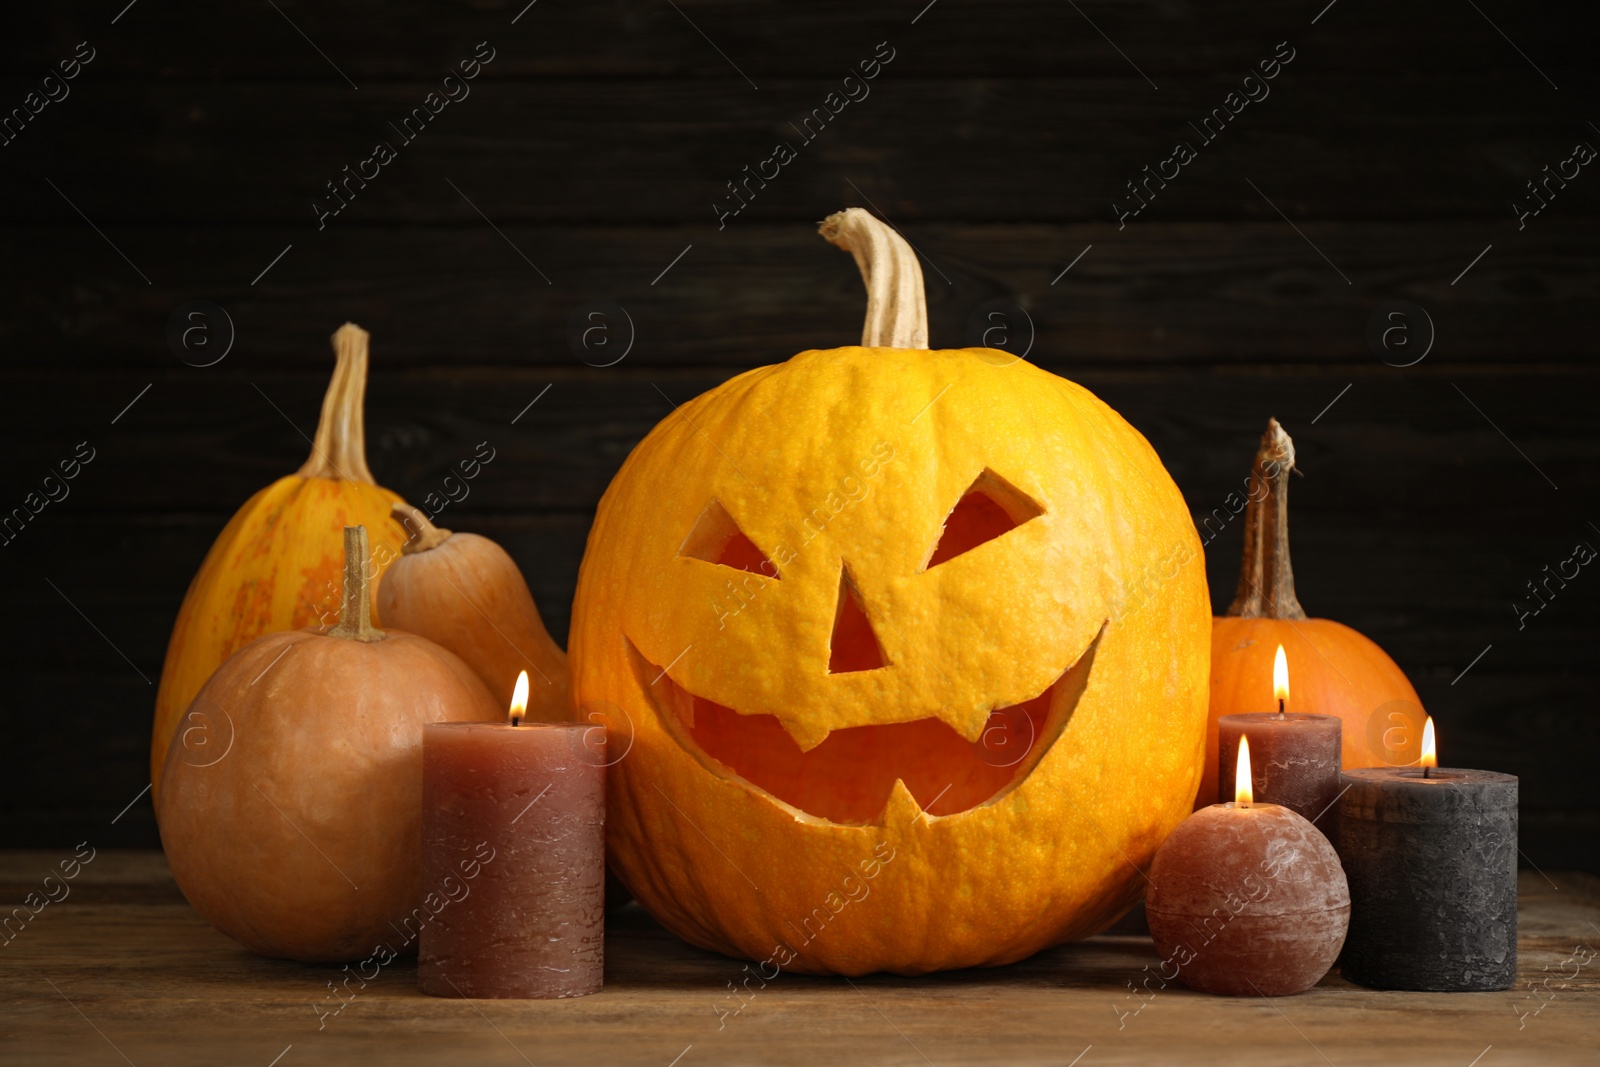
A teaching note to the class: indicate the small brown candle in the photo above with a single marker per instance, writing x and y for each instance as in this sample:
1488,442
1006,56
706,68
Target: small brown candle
531,923
1295,758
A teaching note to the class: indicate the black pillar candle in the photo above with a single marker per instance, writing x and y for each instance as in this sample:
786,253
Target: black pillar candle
1432,864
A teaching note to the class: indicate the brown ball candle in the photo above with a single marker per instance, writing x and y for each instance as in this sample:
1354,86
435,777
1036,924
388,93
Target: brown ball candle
1247,900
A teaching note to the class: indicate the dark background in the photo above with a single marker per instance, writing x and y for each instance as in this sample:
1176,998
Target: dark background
597,140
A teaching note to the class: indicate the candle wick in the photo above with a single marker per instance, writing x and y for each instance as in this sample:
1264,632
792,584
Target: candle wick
1427,772
516,720
1280,707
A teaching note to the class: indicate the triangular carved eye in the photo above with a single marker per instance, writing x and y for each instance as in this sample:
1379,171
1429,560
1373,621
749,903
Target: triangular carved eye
991,507
853,646
716,538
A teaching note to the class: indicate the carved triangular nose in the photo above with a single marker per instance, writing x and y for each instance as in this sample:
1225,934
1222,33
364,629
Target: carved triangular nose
854,646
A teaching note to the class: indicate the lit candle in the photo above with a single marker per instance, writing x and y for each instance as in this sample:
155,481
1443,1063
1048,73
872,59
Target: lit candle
1432,858
1296,756
1247,899
513,850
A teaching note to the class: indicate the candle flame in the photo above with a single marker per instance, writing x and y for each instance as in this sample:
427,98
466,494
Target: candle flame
1243,794
1430,748
519,697
1280,678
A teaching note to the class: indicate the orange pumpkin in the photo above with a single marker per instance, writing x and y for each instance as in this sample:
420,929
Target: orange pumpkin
911,646
276,565
1333,670
292,812
462,591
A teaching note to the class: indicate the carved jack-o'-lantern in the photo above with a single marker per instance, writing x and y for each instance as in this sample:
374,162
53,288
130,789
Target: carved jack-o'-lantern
913,647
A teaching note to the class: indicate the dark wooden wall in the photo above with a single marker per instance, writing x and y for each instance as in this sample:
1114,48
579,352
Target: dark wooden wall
192,148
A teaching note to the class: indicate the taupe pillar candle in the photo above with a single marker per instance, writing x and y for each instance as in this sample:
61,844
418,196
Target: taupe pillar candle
1431,861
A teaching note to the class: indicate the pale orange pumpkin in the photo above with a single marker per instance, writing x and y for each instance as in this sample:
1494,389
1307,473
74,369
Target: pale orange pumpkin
292,810
1333,670
462,591
911,646
276,565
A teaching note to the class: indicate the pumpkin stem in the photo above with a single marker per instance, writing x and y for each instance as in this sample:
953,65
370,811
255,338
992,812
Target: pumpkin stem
355,617
340,447
897,308
1266,579
422,534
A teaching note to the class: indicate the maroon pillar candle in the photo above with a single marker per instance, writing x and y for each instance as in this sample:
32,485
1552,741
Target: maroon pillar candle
1294,762
530,921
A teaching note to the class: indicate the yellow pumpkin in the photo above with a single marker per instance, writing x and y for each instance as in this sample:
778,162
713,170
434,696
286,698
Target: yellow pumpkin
1333,670
910,649
277,564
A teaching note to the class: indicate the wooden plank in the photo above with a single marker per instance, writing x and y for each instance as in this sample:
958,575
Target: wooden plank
630,39
607,153
160,986
1408,442
449,299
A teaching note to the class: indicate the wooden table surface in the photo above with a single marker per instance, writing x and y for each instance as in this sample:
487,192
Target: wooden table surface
122,971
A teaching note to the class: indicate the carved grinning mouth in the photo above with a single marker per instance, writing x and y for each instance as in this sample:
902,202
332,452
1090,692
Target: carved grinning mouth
849,776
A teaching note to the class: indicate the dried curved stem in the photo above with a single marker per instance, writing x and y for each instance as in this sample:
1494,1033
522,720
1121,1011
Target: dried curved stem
340,447
355,616
1266,577
422,535
897,307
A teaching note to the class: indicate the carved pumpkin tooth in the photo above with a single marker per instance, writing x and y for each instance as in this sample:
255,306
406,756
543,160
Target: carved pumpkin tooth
902,808
970,724
807,735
